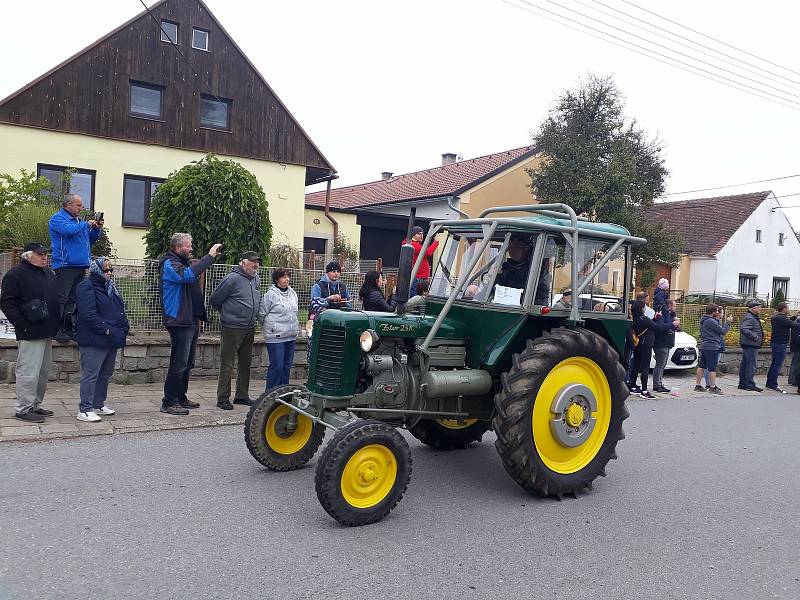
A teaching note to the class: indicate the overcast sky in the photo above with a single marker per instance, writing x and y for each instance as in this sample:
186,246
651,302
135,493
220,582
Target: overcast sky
390,86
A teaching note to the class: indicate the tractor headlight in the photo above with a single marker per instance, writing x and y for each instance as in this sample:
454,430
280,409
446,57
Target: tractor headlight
368,340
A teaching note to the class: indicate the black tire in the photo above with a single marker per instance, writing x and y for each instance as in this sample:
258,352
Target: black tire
330,480
433,433
255,433
513,421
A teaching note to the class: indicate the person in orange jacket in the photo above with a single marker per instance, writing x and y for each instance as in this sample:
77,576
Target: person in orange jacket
424,272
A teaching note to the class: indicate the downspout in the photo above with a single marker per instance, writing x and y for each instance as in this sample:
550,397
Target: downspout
328,208
450,203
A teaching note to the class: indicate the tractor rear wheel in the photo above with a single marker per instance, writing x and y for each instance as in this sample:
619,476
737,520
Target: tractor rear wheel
363,472
449,434
271,439
560,410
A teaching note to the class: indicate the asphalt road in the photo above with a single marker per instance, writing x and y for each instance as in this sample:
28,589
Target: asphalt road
703,503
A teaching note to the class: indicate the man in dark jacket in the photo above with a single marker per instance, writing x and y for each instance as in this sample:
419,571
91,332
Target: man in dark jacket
782,326
71,241
29,299
237,297
183,308
751,338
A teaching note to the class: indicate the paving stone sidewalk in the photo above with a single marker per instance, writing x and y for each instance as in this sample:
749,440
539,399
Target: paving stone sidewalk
137,408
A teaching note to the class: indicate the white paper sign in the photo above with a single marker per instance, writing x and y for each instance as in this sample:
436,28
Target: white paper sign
649,312
507,295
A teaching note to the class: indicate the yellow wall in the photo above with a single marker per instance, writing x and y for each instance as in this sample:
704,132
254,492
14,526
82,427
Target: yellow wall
24,147
680,274
324,229
508,188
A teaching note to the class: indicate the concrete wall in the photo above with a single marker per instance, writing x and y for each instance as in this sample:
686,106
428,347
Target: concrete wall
24,147
145,360
742,254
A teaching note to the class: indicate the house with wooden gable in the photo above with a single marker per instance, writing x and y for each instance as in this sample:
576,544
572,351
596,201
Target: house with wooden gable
375,215
742,244
158,92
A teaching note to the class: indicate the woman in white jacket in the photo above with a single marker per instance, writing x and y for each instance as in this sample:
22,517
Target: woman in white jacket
279,313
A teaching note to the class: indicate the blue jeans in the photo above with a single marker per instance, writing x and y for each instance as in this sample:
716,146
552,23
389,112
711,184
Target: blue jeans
183,341
281,358
97,366
778,356
747,368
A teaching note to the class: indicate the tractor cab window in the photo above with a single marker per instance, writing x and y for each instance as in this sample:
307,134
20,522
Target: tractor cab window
605,290
498,274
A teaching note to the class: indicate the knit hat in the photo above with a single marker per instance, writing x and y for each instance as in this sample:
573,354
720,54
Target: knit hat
416,229
663,284
333,266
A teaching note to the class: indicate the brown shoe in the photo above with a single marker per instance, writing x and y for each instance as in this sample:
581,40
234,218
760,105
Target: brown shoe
189,404
174,410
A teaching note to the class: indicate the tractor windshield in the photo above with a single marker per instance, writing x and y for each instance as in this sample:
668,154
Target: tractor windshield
498,273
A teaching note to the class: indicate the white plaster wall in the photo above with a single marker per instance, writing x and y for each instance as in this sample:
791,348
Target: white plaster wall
702,274
766,259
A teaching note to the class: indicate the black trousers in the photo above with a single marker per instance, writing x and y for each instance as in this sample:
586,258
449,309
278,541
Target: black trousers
68,279
641,359
183,342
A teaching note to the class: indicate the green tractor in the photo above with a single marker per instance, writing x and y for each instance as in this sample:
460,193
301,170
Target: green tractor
522,333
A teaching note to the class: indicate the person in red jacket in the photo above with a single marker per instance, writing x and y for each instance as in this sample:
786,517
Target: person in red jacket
424,272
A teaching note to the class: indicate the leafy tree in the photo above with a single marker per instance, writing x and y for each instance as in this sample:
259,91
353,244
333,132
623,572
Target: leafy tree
215,201
607,169
26,204
284,254
342,246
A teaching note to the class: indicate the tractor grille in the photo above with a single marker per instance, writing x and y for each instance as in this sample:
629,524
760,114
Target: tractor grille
330,358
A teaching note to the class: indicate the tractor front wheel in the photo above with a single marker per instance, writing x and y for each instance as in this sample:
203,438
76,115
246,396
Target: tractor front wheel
274,438
560,410
449,434
363,472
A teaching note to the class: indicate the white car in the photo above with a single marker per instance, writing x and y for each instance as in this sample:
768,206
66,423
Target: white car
683,355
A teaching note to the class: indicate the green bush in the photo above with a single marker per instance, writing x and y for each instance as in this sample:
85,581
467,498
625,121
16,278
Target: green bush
216,201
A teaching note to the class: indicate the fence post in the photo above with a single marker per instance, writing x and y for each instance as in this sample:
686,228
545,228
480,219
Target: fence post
379,265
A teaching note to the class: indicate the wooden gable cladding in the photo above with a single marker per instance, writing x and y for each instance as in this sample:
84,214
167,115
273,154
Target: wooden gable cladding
90,92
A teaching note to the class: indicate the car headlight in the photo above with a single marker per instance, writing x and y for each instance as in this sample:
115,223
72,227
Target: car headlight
368,340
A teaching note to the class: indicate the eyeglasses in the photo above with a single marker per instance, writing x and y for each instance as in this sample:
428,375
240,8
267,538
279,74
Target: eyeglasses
108,270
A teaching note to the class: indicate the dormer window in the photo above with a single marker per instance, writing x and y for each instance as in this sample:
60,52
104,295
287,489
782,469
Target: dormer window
200,39
169,31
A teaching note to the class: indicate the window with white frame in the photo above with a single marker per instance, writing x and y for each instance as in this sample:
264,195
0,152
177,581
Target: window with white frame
169,31
199,39
747,284
782,284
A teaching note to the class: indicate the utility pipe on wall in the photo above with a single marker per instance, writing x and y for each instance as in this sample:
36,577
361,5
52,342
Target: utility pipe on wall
328,209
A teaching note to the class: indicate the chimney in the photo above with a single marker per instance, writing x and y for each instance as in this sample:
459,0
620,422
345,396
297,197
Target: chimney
448,158
386,175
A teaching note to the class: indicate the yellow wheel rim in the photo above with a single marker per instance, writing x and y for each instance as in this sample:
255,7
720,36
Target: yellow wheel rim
556,455
281,441
369,476
455,423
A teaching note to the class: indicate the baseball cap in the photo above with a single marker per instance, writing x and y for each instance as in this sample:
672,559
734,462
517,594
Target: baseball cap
250,255
753,303
37,247
417,229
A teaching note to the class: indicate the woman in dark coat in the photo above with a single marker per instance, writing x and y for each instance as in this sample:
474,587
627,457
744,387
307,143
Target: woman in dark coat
645,328
371,293
101,329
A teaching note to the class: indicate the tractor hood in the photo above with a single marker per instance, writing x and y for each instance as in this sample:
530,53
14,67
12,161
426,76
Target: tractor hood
390,324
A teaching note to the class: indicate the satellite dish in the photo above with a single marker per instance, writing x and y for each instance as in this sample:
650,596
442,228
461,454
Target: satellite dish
459,158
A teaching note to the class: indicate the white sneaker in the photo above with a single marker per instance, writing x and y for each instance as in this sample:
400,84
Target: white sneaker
89,417
104,411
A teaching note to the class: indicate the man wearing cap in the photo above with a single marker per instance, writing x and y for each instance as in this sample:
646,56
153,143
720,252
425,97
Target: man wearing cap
29,299
565,303
751,337
329,291
424,271
237,298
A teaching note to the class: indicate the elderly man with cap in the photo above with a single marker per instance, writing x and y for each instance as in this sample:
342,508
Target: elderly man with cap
237,298
565,303
29,299
424,271
751,338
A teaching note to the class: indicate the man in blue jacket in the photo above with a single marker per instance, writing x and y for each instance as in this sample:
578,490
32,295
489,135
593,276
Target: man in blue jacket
70,244
182,308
